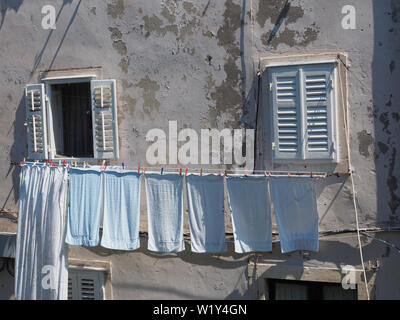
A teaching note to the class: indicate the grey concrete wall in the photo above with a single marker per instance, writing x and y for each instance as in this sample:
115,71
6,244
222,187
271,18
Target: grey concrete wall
196,62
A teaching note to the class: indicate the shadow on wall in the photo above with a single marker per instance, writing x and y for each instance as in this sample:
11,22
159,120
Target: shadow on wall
385,109
19,148
6,5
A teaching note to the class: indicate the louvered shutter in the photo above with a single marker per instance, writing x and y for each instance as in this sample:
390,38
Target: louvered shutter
85,285
104,119
285,102
318,102
36,121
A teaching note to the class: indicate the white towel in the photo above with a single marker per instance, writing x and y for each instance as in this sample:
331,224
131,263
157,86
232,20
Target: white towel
295,208
165,212
251,213
206,213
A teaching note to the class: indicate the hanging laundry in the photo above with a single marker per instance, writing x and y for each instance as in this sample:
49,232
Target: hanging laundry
85,206
165,212
121,210
295,208
251,213
41,250
205,197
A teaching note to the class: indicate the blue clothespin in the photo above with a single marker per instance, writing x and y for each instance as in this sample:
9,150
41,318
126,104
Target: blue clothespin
123,166
162,170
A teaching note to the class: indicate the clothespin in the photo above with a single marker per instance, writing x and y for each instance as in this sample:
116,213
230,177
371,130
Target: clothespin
103,163
201,172
245,173
105,167
186,171
226,173
269,174
288,174
138,169
123,166
144,172
47,161
180,171
162,170
64,163
59,163
311,174
265,173
23,162
52,163
220,172
75,164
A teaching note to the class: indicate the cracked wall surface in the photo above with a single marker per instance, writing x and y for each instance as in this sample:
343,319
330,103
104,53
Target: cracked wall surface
196,62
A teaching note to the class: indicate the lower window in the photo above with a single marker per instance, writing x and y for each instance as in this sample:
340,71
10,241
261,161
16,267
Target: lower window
86,284
308,290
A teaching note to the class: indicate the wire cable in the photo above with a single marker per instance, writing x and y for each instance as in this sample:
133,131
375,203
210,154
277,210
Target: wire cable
346,128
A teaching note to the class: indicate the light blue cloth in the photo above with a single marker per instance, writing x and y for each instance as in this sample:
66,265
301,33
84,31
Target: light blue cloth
206,213
165,212
85,206
251,213
295,208
121,210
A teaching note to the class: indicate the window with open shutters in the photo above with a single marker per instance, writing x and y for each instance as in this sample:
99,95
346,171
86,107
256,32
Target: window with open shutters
85,285
303,105
72,118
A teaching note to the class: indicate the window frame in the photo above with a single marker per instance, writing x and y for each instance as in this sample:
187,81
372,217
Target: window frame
297,61
48,82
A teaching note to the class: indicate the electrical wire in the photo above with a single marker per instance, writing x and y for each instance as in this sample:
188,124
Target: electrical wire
347,134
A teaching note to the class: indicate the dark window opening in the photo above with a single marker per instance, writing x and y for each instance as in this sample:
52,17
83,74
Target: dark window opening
72,120
308,290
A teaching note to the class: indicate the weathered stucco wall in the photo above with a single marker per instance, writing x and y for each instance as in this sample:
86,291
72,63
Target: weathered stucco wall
196,62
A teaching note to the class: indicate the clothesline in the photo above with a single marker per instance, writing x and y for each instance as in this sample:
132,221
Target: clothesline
185,171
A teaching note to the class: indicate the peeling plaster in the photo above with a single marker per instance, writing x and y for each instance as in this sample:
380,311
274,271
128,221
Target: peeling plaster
365,140
150,89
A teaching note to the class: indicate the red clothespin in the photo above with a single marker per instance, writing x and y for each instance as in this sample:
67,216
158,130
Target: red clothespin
144,172
64,163
245,173
138,169
201,172
105,167
47,162
226,173
186,171
23,162
180,171
52,163
311,174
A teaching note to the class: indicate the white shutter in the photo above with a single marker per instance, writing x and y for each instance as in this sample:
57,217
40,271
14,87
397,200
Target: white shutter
104,119
36,121
85,285
318,111
285,102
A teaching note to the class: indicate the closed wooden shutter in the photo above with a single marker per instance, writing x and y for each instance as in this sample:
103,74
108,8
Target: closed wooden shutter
303,106
36,121
104,118
318,102
85,285
285,102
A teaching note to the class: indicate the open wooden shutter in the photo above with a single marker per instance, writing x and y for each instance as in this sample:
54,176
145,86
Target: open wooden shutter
36,121
286,115
318,111
104,118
